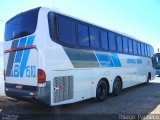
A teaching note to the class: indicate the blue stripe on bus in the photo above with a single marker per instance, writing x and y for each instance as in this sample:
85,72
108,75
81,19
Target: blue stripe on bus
116,60
30,41
11,58
26,55
22,42
104,60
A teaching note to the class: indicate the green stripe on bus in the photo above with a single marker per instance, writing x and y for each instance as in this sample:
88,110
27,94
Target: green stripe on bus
82,58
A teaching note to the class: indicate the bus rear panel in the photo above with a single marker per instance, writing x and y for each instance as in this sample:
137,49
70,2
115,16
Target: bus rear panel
23,78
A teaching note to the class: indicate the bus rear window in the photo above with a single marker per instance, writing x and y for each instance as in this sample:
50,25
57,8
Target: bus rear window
21,25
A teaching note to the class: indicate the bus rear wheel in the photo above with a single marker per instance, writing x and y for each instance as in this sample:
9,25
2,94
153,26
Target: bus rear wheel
117,86
148,78
102,91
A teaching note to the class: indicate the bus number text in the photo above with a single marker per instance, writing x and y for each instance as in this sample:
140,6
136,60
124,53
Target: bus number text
30,71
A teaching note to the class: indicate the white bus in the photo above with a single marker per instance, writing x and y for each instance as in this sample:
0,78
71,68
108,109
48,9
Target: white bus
55,59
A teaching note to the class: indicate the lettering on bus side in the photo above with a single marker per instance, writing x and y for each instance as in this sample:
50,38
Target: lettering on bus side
30,71
134,61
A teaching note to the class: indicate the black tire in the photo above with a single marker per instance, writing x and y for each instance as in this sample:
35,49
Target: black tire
148,79
102,91
117,86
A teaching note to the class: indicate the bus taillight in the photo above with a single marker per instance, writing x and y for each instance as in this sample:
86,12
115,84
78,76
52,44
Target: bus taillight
41,78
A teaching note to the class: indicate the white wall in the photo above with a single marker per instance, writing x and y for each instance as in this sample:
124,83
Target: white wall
1,70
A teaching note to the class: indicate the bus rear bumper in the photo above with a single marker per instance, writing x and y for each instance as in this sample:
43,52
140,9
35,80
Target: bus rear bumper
41,95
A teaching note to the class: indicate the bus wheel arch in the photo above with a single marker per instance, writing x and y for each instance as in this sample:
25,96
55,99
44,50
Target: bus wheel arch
117,86
102,89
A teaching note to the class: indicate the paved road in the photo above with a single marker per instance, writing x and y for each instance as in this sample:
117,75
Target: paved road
141,99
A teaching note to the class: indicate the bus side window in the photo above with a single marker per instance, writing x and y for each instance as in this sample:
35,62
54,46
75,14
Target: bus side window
125,45
67,31
146,50
53,29
83,35
135,47
139,48
94,37
104,40
142,48
112,41
119,43
130,46
152,51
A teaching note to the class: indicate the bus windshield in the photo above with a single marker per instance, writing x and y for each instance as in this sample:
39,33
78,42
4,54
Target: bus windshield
21,25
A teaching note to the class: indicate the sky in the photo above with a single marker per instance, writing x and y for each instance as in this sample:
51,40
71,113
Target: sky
137,18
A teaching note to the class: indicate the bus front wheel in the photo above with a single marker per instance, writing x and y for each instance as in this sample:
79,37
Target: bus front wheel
117,86
102,91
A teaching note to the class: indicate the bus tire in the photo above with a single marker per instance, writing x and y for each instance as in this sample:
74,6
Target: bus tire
102,91
148,78
117,86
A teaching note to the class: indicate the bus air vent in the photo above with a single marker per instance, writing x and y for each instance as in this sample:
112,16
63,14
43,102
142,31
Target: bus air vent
62,88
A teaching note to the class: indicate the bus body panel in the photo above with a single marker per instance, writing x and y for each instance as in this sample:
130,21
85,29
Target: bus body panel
68,86
23,69
26,87
132,69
